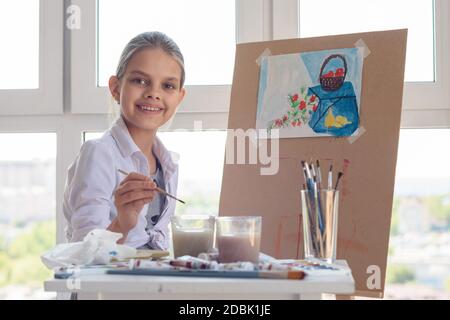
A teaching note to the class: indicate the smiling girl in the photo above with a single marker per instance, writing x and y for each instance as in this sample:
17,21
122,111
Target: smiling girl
148,86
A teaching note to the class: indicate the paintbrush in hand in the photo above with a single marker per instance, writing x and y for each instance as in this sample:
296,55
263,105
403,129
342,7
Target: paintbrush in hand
157,188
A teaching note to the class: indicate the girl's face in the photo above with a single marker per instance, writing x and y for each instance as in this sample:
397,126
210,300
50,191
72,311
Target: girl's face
149,91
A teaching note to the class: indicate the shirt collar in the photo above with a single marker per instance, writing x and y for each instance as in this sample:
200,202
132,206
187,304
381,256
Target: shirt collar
120,133
127,146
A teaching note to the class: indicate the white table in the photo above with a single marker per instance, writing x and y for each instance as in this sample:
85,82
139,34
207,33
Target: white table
105,286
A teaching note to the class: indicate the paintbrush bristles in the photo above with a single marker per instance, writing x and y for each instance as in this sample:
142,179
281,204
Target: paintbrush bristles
313,175
340,174
319,174
313,170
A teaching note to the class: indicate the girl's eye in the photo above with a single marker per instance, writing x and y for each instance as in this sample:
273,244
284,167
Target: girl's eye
139,81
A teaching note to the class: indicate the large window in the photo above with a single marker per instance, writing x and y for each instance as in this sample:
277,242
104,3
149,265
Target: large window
329,17
419,260
19,57
27,212
204,30
31,57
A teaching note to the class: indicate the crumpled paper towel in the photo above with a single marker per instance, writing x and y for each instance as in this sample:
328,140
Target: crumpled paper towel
98,247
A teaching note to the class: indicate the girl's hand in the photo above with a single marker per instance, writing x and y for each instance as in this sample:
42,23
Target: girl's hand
130,197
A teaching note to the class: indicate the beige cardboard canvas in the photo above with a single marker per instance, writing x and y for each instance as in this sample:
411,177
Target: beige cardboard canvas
368,160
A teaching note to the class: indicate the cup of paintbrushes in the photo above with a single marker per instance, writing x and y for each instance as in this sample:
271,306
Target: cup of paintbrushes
320,222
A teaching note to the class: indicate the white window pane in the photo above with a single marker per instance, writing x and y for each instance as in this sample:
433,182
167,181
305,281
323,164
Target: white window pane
203,29
328,17
27,212
418,263
200,167
19,36
91,135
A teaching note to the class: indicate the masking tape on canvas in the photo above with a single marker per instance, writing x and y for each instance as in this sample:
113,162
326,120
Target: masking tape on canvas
265,53
364,48
361,131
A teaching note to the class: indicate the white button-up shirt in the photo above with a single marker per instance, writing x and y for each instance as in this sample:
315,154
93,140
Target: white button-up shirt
93,177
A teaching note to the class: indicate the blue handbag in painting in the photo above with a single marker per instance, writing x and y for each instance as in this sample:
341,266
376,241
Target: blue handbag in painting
337,110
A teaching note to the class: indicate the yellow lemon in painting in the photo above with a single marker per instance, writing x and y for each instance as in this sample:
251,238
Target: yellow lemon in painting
329,119
337,122
341,121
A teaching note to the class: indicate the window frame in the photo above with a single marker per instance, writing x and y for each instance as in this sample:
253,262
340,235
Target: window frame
48,97
88,98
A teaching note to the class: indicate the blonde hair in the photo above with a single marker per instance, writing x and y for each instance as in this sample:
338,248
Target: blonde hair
150,40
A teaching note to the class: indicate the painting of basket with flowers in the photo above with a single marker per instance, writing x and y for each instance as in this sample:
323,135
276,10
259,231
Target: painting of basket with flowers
310,94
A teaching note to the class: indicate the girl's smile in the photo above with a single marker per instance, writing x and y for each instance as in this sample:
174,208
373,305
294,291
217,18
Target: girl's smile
150,109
